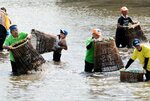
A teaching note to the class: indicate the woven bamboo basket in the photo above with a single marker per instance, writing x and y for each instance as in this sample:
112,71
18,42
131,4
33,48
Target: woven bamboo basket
106,56
44,42
131,76
26,57
136,32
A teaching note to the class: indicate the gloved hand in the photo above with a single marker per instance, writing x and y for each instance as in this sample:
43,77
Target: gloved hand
123,69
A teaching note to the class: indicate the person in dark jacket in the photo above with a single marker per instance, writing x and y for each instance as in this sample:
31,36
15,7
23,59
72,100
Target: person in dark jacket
122,26
3,35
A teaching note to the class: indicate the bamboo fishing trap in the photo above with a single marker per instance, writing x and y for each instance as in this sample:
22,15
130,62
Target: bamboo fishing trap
27,57
135,32
106,56
44,42
131,76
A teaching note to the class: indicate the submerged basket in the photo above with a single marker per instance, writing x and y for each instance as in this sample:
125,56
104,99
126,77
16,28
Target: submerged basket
106,56
44,42
131,76
26,56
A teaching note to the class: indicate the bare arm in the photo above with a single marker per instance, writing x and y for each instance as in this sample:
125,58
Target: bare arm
29,36
119,26
63,44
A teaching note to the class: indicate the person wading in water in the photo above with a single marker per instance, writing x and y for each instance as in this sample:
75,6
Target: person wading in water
14,37
121,38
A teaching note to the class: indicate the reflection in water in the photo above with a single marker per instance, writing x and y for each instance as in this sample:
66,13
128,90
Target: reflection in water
20,87
63,81
3,56
103,89
144,92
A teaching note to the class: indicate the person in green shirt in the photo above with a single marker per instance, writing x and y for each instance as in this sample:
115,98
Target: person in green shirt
14,37
141,52
89,58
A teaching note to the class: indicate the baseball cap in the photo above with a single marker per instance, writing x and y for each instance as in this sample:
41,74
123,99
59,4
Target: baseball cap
12,27
136,42
64,32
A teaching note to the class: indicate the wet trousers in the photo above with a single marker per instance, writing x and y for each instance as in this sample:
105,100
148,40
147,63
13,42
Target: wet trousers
147,75
56,56
88,67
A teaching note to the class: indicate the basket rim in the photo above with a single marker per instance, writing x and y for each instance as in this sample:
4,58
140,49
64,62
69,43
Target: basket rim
24,42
